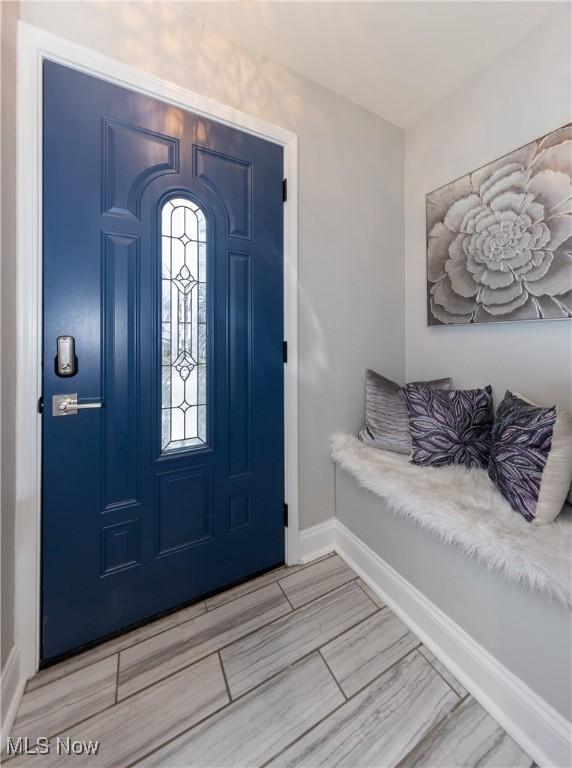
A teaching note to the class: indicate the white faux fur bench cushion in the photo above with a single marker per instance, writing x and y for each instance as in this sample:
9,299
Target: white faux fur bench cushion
462,506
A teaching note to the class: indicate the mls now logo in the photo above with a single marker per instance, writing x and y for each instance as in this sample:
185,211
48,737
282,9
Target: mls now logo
43,746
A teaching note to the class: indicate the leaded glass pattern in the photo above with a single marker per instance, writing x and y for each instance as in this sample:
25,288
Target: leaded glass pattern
183,325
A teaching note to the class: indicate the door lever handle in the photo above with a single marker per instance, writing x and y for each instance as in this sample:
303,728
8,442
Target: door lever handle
67,405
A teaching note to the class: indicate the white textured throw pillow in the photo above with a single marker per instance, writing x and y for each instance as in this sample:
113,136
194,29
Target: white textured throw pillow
557,475
386,414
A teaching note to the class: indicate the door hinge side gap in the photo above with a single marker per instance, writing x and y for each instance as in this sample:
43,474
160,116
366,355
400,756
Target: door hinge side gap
285,515
284,190
284,351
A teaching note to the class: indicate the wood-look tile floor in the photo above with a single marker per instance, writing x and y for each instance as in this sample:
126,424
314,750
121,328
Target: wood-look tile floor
302,666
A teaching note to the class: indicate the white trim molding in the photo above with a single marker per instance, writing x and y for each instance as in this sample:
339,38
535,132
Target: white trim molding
541,731
12,686
34,46
318,540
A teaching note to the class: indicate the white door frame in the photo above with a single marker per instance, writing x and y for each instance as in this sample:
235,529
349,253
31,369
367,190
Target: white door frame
35,45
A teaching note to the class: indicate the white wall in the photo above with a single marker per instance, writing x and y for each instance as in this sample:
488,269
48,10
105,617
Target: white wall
350,206
522,95
526,632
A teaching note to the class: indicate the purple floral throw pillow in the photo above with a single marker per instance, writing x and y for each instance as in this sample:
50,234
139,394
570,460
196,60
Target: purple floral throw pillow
531,457
449,426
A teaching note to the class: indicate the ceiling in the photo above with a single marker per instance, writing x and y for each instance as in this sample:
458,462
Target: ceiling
397,59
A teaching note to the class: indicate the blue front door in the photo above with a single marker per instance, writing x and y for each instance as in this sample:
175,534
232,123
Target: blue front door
162,309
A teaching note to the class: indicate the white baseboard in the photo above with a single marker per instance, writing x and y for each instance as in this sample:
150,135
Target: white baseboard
12,688
533,723
317,540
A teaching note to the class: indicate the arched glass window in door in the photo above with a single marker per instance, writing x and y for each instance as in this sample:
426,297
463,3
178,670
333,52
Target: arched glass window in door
183,325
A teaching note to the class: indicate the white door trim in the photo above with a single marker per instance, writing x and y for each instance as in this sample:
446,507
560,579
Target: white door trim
35,45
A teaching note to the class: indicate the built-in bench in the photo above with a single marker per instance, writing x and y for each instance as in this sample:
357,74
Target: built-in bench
488,592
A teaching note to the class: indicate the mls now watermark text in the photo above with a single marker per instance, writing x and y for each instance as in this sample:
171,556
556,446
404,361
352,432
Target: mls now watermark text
44,746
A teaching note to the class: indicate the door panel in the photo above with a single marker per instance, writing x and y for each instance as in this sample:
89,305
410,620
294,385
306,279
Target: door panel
163,259
239,302
121,262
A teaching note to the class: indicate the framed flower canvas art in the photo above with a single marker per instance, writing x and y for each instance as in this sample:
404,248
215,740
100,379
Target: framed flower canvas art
499,240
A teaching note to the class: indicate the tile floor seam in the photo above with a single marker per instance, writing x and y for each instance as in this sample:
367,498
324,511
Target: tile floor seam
178,735
461,698
111,653
361,586
337,682
117,680
430,732
63,731
271,677
223,670
234,701
201,658
52,734
286,596
162,631
296,661
249,634
300,567
347,700
276,674
309,653
304,734
66,674
384,607
233,599
373,679
320,597
167,629
148,750
327,592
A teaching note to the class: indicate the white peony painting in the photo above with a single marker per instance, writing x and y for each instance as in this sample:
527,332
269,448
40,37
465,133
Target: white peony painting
499,240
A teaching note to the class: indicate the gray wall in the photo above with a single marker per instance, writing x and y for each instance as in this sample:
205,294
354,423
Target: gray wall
9,15
524,631
350,205
522,95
